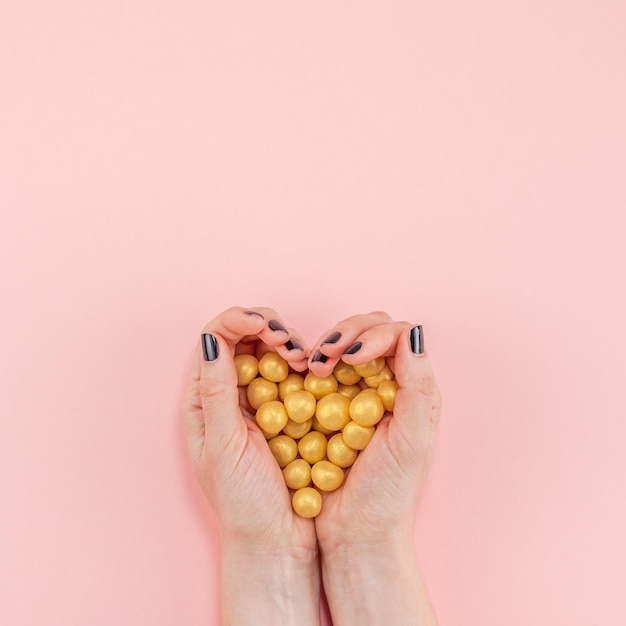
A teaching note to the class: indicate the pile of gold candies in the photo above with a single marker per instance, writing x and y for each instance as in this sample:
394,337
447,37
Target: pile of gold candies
316,426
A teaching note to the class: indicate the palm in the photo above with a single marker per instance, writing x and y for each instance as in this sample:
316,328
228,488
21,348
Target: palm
255,486
373,491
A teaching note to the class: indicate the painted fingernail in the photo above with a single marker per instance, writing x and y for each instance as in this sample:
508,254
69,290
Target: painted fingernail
254,313
210,348
292,344
276,325
355,347
416,337
318,356
332,338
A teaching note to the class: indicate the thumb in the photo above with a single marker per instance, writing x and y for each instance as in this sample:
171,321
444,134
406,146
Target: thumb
211,401
217,388
418,401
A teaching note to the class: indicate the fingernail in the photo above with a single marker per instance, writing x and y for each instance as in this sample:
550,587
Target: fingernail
416,337
318,356
292,344
276,325
355,347
332,338
254,313
210,347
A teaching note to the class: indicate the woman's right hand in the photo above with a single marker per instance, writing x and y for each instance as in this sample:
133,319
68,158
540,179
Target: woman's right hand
269,561
230,455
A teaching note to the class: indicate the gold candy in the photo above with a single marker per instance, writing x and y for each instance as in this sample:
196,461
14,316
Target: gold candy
273,367
284,449
339,452
371,367
271,416
260,391
300,405
357,436
345,373
312,447
316,425
247,367
367,408
333,411
387,393
375,380
320,386
293,382
326,475
295,430
307,502
348,390
297,474
267,435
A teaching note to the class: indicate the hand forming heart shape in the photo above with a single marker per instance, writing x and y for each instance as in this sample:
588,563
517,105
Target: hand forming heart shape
260,394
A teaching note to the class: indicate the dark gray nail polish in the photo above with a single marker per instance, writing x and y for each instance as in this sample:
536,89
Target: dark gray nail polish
254,313
318,356
355,347
292,344
332,338
276,325
210,348
416,337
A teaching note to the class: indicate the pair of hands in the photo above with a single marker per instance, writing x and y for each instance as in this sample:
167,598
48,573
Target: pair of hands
270,568
241,478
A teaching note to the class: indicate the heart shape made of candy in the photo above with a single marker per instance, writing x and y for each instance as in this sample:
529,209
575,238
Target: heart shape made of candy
316,426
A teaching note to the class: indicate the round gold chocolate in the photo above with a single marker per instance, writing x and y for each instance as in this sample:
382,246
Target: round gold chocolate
375,380
317,426
312,447
300,405
320,386
267,435
293,382
307,502
271,416
339,453
284,449
247,367
260,391
273,367
357,436
387,392
297,474
345,373
348,390
333,411
371,367
326,475
367,408
295,430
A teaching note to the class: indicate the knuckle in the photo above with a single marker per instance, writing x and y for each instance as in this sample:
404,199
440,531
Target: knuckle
380,313
234,309
427,384
210,388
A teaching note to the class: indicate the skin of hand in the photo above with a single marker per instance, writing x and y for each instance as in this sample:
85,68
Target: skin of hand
269,554
365,526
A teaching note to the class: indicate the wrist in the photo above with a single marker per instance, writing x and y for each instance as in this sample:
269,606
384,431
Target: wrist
267,551
264,584
352,544
351,561
368,583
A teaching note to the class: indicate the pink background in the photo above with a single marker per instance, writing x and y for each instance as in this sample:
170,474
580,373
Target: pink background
458,164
